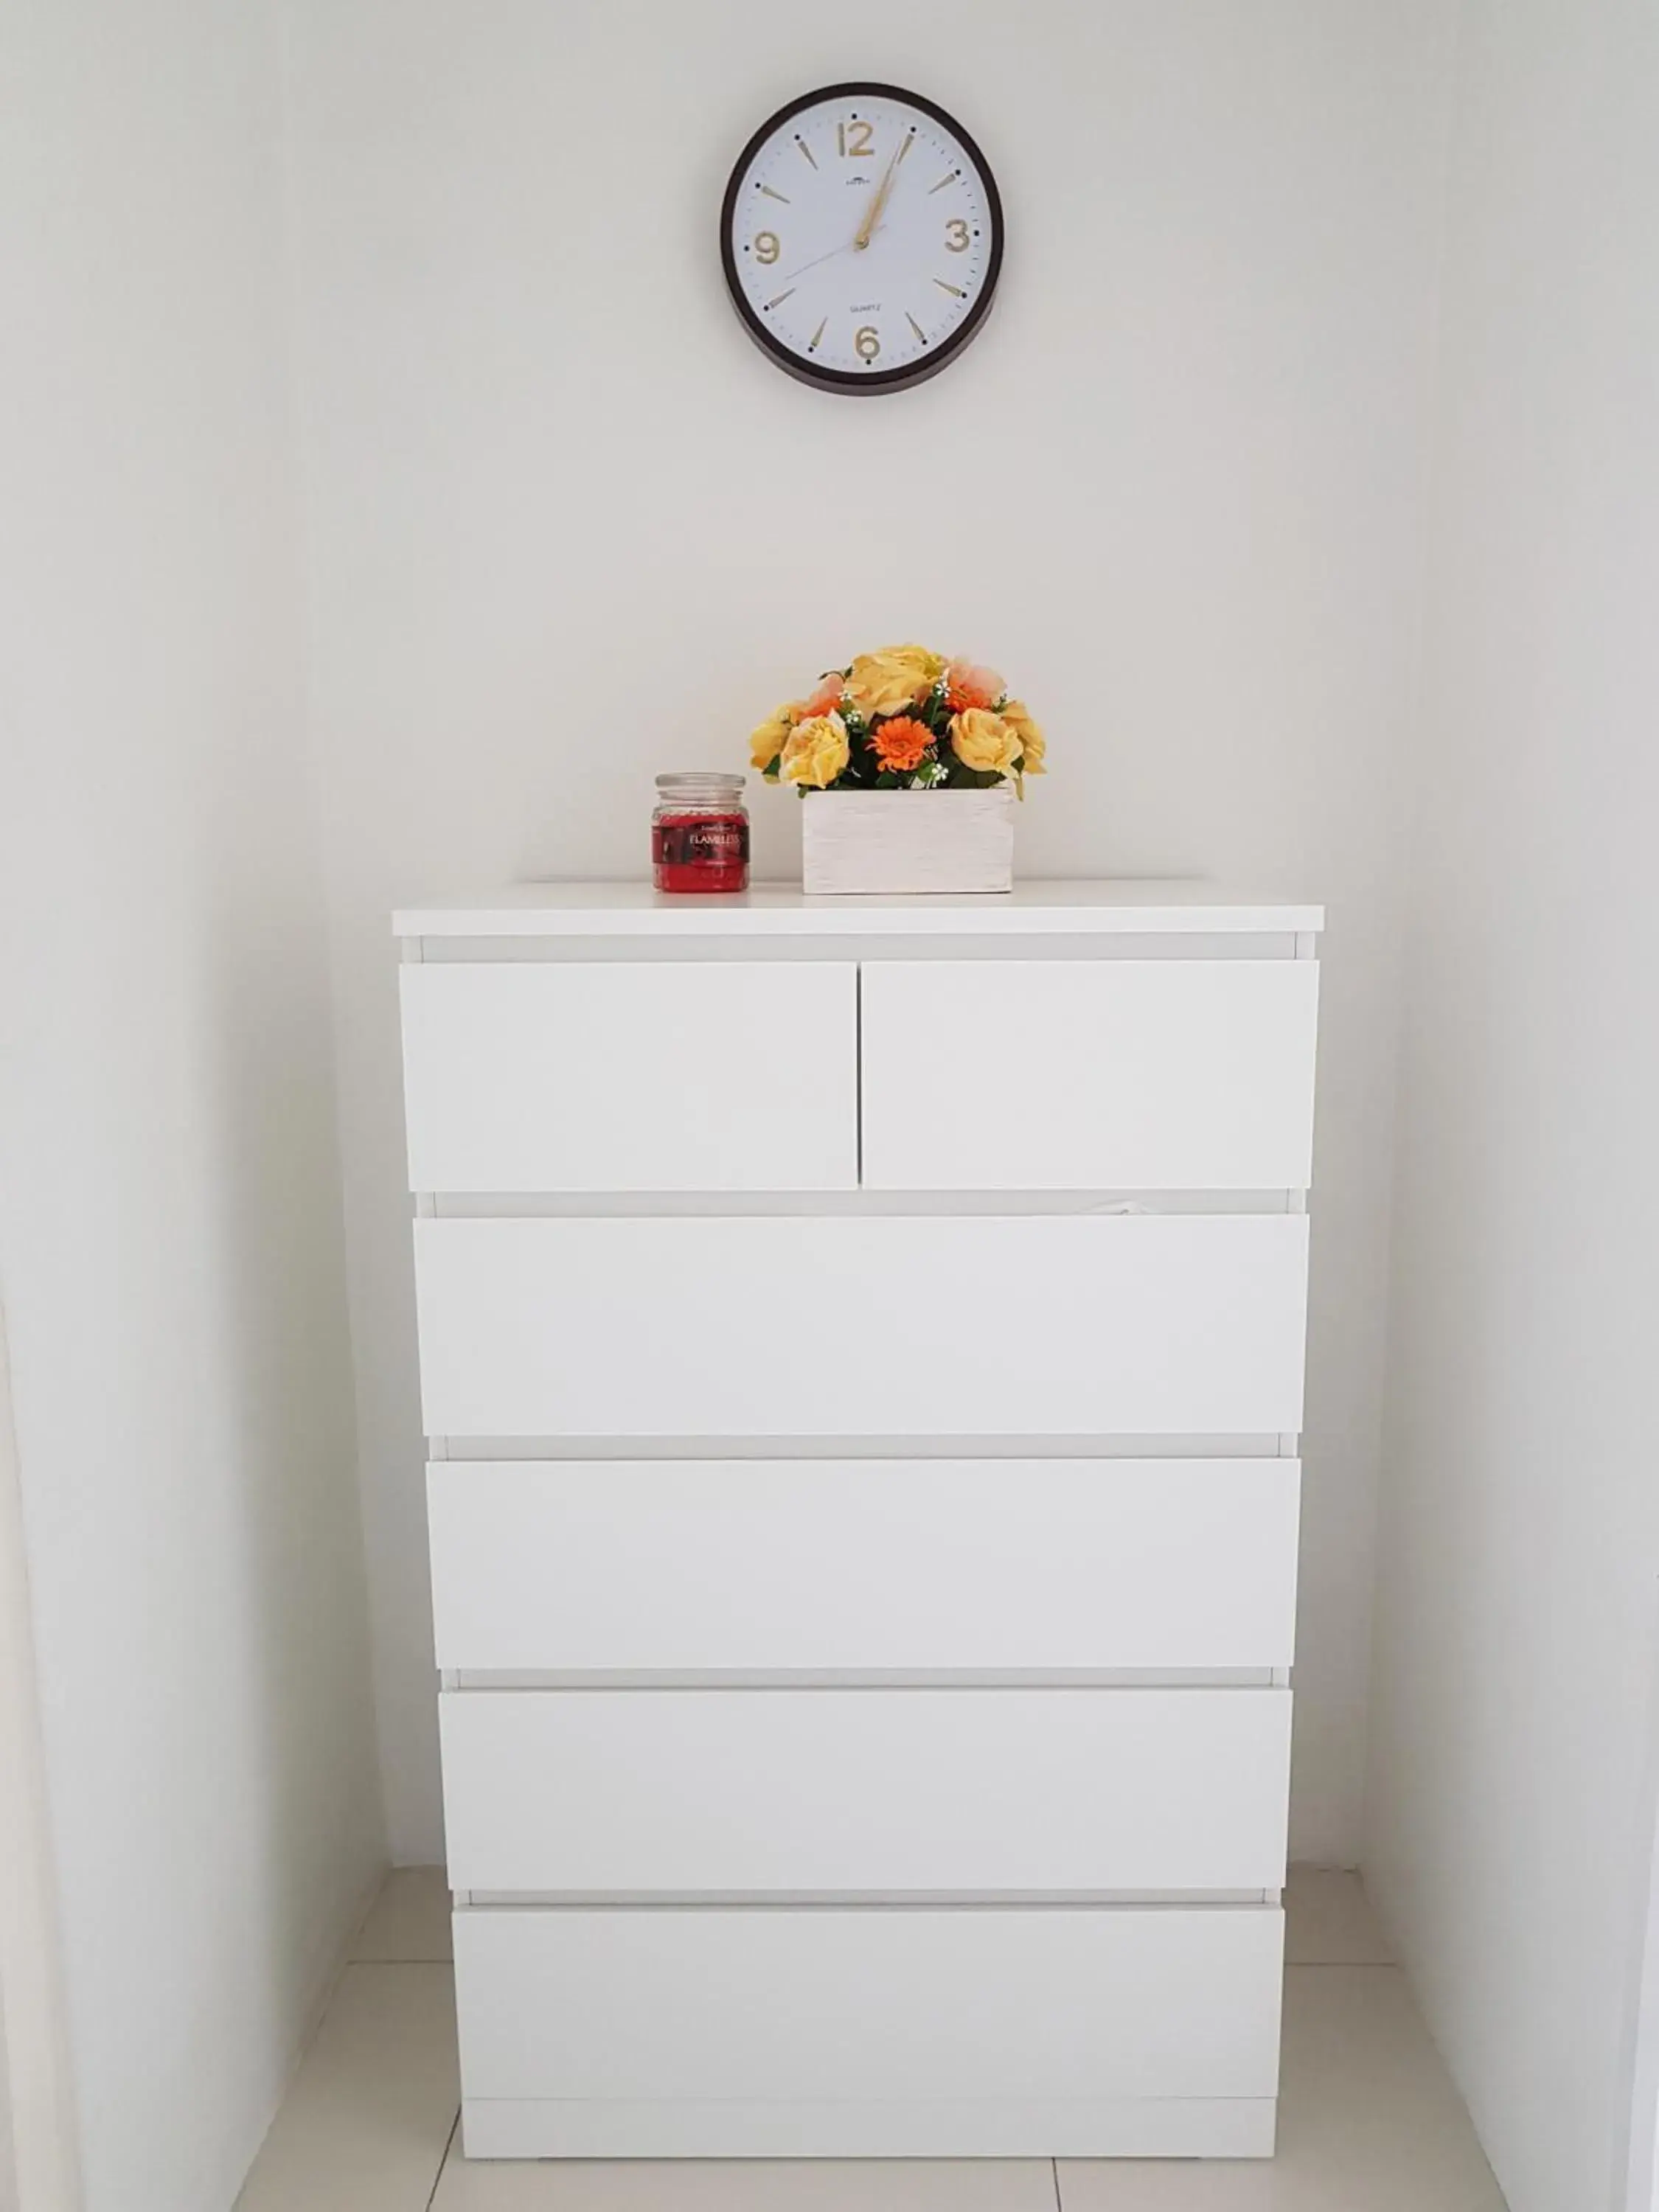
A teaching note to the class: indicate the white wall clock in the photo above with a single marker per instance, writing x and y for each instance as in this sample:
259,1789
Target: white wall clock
861,235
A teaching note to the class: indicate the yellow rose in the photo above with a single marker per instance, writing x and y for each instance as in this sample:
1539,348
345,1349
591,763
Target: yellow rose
817,752
1017,716
983,741
897,677
766,739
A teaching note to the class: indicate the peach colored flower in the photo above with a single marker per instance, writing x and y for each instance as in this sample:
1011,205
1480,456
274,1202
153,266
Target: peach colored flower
900,744
966,686
824,701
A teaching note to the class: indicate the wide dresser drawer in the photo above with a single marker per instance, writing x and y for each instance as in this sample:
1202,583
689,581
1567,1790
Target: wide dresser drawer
999,1326
1088,1074
693,1566
617,1792
825,2032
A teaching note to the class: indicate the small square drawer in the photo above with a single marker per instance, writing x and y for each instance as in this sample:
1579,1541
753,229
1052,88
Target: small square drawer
526,1075
1088,1074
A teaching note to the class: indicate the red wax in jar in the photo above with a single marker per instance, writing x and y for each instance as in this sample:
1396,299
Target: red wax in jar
701,852
700,834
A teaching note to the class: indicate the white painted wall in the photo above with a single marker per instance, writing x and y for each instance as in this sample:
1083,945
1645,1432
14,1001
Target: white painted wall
568,528
1514,1726
170,1249
40,2138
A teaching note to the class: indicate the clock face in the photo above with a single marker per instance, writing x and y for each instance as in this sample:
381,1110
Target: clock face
862,237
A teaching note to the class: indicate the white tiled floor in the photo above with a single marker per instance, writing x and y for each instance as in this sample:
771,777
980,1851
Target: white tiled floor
1368,2122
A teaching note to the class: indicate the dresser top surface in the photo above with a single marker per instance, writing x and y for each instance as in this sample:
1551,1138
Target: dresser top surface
1129,906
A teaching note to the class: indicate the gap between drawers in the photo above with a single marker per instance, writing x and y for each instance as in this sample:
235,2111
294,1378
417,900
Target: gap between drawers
863,1901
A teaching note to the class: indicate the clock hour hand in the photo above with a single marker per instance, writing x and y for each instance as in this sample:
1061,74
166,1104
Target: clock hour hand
867,227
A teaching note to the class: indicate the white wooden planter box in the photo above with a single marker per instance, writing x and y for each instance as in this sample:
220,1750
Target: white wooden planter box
907,841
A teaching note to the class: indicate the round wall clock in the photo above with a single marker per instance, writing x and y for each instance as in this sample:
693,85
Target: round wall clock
862,237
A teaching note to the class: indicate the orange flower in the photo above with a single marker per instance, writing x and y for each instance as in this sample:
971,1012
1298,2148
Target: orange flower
824,701
966,686
901,742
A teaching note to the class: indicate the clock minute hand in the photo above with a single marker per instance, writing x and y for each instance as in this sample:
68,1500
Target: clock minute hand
862,237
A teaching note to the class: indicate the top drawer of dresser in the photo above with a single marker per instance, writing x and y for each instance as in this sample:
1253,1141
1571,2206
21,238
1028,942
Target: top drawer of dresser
614,1076
952,1075
1088,1074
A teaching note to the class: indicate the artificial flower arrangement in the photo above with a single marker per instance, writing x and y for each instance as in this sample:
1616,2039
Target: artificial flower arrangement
901,719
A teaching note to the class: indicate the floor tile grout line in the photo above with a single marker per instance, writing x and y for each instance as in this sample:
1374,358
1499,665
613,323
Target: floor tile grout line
443,2161
1054,2168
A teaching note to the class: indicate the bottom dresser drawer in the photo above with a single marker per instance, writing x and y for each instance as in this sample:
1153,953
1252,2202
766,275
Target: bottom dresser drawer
825,2032
604,1794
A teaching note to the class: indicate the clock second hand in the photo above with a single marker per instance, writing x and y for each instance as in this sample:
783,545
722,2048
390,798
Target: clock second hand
806,265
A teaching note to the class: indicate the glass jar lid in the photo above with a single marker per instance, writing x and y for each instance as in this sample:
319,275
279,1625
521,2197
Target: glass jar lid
682,783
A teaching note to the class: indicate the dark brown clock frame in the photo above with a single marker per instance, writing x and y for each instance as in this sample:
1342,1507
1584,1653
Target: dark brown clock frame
847,380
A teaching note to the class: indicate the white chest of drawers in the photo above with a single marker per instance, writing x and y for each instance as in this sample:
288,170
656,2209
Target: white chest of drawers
861,1346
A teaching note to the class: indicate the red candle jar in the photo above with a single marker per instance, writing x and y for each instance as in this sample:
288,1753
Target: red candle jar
699,833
